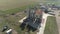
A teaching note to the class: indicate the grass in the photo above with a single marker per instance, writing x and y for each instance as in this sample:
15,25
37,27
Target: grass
15,10
51,26
11,21
11,4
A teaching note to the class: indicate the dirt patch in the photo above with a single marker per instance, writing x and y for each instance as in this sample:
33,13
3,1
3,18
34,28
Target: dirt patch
14,32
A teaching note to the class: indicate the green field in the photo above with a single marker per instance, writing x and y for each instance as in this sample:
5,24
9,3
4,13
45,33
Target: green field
51,26
10,4
14,6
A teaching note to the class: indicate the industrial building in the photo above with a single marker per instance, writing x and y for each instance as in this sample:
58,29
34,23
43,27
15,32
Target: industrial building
34,19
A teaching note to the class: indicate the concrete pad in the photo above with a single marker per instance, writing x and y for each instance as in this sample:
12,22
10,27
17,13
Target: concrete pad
41,30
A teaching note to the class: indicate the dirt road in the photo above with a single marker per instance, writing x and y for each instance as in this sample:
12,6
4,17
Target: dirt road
58,19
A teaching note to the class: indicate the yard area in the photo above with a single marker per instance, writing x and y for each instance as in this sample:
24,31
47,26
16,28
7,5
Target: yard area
51,26
11,20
